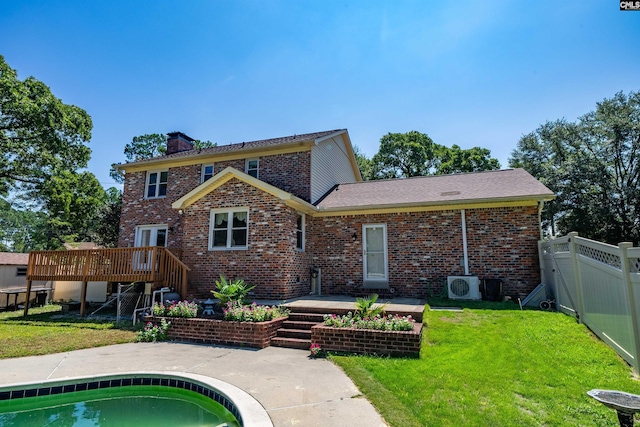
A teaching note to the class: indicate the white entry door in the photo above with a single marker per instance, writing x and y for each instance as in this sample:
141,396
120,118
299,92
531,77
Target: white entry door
148,235
374,245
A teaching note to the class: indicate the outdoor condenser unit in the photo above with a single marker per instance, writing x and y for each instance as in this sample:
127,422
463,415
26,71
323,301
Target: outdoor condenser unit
464,287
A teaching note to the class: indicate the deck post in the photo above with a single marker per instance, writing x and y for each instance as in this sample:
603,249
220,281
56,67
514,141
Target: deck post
26,301
84,297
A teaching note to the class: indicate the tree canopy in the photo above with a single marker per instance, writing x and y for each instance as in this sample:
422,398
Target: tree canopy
593,166
404,155
39,134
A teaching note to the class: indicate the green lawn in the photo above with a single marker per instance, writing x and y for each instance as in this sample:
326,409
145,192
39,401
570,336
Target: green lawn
495,365
46,330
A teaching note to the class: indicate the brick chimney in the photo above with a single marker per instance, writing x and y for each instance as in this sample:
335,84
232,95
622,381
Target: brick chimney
177,142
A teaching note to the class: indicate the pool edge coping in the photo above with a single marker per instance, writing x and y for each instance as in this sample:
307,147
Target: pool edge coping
251,411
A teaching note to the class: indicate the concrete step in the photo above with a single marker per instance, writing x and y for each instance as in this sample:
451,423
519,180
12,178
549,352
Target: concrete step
306,317
291,343
304,334
298,324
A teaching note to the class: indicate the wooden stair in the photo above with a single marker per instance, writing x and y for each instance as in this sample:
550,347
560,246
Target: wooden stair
296,331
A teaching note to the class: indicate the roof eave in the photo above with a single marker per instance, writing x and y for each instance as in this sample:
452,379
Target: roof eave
443,205
199,157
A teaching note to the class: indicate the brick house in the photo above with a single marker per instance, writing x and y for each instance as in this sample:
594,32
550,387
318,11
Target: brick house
278,211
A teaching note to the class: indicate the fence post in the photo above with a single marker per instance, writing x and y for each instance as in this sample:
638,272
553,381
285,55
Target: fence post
626,277
576,273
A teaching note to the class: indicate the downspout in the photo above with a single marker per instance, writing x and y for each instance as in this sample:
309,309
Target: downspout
464,243
540,206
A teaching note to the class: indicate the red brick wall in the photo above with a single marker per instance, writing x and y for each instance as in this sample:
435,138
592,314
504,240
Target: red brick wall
391,343
426,247
209,331
290,172
271,261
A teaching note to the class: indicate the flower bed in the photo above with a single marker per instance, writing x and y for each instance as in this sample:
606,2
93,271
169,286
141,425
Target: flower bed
211,331
368,341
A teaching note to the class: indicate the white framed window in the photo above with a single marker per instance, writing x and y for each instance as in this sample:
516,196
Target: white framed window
229,228
156,185
300,237
207,172
251,167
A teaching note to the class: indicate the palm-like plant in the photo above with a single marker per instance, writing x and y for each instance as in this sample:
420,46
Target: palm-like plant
231,291
365,308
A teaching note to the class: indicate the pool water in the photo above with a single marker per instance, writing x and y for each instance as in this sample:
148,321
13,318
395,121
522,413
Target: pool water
125,406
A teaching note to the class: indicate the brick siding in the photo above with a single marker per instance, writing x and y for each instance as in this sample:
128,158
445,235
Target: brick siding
365,341
209,331
426,247
271,260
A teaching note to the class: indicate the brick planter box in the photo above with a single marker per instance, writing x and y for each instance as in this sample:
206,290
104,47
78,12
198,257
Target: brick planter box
209,331
367,341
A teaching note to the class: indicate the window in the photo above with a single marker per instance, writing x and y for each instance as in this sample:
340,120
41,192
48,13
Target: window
207,172
229,229
156,184
251,167
21,271
300,233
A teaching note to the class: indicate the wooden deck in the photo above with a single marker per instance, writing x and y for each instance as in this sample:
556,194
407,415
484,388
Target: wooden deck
153,264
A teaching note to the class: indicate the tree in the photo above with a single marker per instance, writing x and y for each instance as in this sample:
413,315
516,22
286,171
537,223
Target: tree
403,155
108,226
364,163
21,230
457,160
39,134
73,202
148,146
593,166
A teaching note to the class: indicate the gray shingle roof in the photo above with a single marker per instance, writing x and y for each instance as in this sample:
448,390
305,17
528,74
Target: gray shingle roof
245,146
508,184
10,258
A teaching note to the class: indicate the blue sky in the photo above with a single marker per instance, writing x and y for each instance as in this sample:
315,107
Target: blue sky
472,73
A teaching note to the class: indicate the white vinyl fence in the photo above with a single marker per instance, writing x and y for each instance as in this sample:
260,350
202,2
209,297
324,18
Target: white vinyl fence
599,284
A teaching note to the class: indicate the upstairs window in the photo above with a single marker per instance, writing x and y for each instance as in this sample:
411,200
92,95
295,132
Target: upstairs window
156,184
300,232
207,172
251,167
229,229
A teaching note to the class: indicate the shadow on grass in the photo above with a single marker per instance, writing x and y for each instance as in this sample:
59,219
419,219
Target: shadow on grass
435,302
54,316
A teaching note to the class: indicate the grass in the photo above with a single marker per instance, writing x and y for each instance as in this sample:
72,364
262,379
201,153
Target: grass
47,330
495,365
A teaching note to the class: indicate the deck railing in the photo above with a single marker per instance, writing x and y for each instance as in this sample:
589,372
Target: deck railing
153,264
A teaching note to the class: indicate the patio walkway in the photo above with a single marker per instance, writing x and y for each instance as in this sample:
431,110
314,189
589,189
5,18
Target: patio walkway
341,304
294,389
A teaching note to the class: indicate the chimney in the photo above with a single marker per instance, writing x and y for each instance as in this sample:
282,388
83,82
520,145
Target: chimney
177,142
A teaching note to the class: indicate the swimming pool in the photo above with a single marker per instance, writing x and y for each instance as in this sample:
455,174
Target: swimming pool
153,398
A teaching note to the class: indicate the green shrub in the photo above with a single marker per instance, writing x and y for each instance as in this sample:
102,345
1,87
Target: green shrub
153,333
380,323
231,291
253,313
365,308
175,309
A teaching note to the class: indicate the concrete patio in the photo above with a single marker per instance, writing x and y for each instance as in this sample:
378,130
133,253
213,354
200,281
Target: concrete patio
294,389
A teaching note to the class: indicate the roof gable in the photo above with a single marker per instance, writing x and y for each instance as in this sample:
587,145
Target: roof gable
229,173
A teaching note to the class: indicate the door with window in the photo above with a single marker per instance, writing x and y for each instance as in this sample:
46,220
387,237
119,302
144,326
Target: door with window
374,246
148,235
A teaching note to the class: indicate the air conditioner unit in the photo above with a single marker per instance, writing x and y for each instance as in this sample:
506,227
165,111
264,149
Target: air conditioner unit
464,287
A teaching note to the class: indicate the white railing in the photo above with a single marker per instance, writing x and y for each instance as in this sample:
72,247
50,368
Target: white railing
599,284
